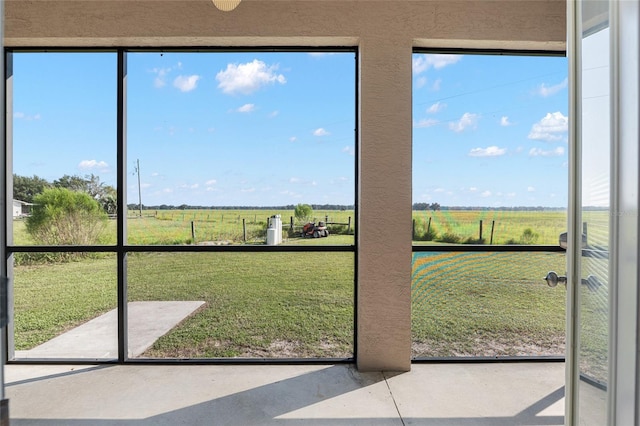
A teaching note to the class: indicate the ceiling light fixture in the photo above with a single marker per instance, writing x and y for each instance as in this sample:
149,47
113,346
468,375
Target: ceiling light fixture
226,5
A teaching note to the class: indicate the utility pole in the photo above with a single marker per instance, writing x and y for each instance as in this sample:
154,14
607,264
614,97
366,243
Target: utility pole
139,192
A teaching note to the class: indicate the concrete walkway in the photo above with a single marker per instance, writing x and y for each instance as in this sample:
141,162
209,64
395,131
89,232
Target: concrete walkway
98,338
491,394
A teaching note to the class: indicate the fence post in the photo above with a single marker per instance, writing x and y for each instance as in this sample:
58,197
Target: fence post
480,238
349,226
326,218
244,231
193,231
413,229
291,225
429,225
493,222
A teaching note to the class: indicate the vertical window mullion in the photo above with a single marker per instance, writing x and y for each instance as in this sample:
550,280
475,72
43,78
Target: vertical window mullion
122,207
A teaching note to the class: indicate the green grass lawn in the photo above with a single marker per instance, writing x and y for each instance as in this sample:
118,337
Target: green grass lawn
486,304
257,305
302,304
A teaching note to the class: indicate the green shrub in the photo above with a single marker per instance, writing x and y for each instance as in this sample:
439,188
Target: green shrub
60,216
528,236
472,240
450,237
303,212
422,234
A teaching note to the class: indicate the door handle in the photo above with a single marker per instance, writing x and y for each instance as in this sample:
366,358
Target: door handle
592,282
553,279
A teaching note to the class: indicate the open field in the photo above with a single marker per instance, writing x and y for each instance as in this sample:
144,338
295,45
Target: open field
177,227
498,226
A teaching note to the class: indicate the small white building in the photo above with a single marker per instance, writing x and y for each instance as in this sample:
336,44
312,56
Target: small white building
21,208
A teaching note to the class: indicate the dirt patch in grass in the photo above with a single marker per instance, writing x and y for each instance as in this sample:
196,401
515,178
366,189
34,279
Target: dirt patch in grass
212,348
490,347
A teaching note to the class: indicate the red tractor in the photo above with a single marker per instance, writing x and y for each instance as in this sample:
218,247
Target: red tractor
310,230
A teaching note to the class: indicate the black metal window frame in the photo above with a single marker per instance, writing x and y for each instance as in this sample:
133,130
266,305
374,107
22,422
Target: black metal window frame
121,249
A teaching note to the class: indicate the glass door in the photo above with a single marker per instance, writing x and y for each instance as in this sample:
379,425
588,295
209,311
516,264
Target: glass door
590,219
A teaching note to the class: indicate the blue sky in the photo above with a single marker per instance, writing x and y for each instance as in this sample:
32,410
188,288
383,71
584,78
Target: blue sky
490,130
262,129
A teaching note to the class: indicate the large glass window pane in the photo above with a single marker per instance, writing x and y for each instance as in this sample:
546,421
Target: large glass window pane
486,305
241,305
64,148
222,147
489,149
65,309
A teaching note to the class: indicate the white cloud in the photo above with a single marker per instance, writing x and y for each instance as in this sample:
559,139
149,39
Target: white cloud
340,180
473,189
467,120
294,180
491,151
274,114
436,85
531,189
421,82
486,194
249,77
320,132
186,83
504,121
93,165
551,127
167,190
247,108
349,150
537,152
248,190
192,186
161,76
23,116
437,107
211,182
422,63
293,139
426,122
546,91
439,190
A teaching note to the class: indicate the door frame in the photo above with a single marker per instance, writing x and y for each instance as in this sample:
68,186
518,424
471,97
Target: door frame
624,251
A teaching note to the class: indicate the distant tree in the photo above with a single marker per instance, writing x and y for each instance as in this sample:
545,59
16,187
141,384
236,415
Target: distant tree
26,188
61,216
73,183
303,212
435,206
105,195
420,206
109,201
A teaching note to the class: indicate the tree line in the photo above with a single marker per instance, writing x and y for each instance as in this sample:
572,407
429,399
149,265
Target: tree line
340,207
27,189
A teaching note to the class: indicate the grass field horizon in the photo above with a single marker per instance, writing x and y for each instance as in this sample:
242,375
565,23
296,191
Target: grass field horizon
224,226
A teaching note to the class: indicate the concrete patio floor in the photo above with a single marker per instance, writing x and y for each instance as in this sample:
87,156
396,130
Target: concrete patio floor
430,394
